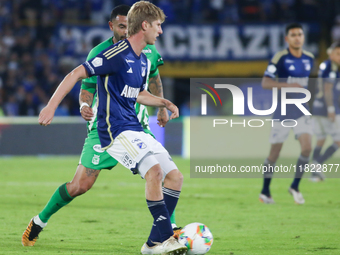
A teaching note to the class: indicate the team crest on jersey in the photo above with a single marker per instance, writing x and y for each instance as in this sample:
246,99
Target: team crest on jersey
307,67
141,145
97,148
95,159
97,62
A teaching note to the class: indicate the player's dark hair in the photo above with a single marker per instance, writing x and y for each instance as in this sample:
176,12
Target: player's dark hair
119,10
292,26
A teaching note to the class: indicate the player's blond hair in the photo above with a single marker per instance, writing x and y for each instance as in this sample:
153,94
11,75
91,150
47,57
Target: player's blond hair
143,11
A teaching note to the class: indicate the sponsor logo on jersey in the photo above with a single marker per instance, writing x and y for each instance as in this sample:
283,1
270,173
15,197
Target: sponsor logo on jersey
129,61
130,70
289,61
98,148
95,159
130,92
141,145
303,81
136,140
97,62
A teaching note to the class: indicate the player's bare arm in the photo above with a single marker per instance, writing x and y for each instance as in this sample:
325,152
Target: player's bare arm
46,115
148,99
156,88
85,101
329,101
269,83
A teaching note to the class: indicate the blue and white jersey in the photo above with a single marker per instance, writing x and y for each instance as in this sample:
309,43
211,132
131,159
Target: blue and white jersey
290,69
328,73
121,76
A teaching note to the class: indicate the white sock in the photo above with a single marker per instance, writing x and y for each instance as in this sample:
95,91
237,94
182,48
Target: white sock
173,225
38,221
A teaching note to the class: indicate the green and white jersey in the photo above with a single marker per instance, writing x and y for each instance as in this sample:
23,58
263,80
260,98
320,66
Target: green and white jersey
90,84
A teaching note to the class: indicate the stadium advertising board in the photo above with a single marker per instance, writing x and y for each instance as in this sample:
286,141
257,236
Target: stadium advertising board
192,50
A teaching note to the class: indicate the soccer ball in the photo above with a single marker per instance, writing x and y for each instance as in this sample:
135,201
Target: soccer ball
197,237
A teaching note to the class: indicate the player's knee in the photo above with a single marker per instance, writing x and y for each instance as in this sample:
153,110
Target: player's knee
84,187
175,176
77,189
155,174
306,150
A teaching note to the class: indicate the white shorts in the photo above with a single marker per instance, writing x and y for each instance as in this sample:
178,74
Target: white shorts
139,151
322,127
279,133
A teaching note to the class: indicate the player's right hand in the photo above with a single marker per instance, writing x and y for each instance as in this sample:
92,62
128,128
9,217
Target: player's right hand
173,108
46,115
87,113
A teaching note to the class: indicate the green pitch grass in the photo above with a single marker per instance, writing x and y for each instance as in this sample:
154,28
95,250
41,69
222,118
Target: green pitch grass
112,218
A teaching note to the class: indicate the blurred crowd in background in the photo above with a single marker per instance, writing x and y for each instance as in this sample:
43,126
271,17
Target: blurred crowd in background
30,63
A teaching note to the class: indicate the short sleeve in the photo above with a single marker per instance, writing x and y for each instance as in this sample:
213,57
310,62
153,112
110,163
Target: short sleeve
271,70
326,72
106,62
90,83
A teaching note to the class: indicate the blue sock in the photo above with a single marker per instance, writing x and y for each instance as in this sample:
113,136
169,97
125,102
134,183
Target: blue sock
328,153
267,177
161,222
316,152
170,198
300,169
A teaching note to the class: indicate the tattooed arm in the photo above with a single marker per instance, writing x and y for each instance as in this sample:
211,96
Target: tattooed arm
85,97
156,88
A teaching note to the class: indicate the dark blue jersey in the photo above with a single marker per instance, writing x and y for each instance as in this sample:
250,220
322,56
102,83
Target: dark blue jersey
290,69
328,73
121,76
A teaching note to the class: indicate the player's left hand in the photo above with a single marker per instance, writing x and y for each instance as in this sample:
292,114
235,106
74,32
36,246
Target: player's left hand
162,117
46,115
87,113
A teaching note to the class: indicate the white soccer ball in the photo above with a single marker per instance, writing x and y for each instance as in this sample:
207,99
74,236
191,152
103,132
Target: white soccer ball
197,237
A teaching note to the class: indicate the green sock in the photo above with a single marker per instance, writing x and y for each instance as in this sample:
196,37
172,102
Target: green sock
59,199
172,218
